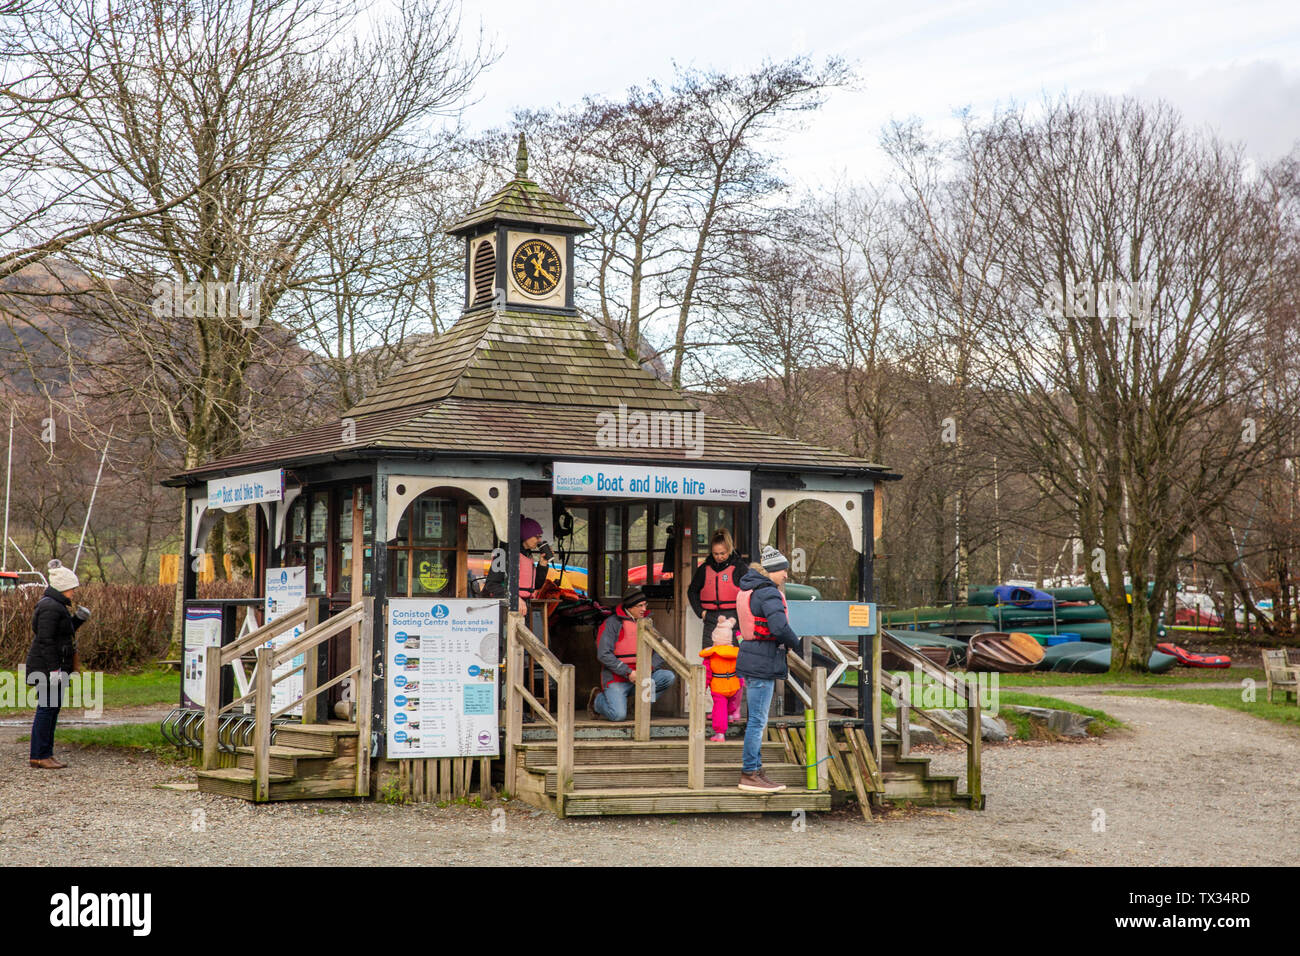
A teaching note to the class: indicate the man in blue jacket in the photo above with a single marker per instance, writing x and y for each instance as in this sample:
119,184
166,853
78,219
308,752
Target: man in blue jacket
761,613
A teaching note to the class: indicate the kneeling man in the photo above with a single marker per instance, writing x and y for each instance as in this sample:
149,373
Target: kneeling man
616,650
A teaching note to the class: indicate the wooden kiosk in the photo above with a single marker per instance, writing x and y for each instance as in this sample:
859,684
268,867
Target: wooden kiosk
521,409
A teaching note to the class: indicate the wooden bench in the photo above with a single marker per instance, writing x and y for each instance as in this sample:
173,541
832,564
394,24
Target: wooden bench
1281,674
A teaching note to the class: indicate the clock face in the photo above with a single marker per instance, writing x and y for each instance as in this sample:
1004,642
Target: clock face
536,267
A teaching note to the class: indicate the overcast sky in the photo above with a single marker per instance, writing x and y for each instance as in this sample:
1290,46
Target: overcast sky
1235,66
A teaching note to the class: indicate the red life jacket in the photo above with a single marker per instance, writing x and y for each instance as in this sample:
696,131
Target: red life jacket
752,627
527,575
720,589
624,646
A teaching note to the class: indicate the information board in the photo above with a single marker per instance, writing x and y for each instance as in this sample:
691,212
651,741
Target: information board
202,630
442,677
286,591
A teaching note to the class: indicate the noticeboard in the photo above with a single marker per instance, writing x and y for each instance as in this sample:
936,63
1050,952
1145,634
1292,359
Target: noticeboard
441,671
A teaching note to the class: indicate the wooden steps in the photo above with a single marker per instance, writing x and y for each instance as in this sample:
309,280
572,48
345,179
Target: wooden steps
614,775
661,775
625,800
588,753
307,762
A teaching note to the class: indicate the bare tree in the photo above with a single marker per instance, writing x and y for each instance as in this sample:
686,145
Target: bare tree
1124,266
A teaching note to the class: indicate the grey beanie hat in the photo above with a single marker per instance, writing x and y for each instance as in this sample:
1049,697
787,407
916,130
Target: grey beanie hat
773,560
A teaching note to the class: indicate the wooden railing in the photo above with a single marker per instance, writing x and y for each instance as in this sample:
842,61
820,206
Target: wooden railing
523,650
358,618
815,698
971,735
650,642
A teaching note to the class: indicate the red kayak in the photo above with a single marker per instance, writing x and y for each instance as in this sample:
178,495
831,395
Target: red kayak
1188,659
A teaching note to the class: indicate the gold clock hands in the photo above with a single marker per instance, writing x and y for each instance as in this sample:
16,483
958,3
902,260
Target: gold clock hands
537,265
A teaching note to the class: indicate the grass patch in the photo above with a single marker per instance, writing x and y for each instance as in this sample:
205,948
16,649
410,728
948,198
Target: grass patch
1021,726
132,689
1179,675
1229,698
139,738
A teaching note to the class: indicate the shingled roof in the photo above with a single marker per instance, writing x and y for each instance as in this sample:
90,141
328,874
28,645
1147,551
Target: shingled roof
522,201
495,429
522,356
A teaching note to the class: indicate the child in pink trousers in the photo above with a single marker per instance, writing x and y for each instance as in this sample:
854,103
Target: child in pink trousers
724,683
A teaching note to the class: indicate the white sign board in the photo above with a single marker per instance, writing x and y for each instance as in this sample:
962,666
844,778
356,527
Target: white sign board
442,678
202,630
239,490
648,481
286,591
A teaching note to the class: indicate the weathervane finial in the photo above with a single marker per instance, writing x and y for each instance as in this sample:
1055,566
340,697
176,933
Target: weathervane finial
521,159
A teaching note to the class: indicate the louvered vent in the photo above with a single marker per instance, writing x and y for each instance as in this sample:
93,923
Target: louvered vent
485,272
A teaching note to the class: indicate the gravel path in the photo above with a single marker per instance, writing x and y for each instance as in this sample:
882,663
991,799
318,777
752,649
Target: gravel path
1188,785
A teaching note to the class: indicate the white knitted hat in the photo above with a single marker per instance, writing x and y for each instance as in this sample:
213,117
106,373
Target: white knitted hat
61,578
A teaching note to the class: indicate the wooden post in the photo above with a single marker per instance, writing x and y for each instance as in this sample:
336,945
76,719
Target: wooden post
262,722
311,667
485,778
364,648
514,702
211,705
695,729
903,718
644,671
564,737
975,732
821,726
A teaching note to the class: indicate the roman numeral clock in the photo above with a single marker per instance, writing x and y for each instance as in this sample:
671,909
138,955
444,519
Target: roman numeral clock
519,247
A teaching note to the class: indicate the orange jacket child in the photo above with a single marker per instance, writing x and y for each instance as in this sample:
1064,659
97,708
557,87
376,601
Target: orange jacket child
724,683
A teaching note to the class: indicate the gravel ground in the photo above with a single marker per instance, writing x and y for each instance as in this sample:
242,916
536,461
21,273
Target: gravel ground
1188,785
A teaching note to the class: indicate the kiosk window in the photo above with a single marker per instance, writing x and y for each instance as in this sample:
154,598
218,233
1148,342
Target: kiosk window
422,558
343,557
708,519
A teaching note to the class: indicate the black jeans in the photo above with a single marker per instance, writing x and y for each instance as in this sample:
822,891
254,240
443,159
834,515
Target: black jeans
46,716
43,732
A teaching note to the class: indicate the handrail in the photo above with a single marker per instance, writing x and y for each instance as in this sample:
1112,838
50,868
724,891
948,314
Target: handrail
974,733
253,640
360,619
520,640
649,642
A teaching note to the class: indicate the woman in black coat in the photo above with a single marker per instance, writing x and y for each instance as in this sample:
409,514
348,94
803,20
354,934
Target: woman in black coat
52,657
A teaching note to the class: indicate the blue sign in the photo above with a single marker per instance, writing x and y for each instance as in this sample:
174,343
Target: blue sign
400,700
399,660
400,637
399,718
400,680
478,699
474,670
440,611
400,736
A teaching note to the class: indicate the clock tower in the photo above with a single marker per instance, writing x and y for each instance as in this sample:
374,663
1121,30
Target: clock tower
519,247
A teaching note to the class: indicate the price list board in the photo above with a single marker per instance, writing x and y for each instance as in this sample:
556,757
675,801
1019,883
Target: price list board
441,675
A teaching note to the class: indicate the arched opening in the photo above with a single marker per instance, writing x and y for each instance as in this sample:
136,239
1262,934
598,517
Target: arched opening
819,544
442,546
